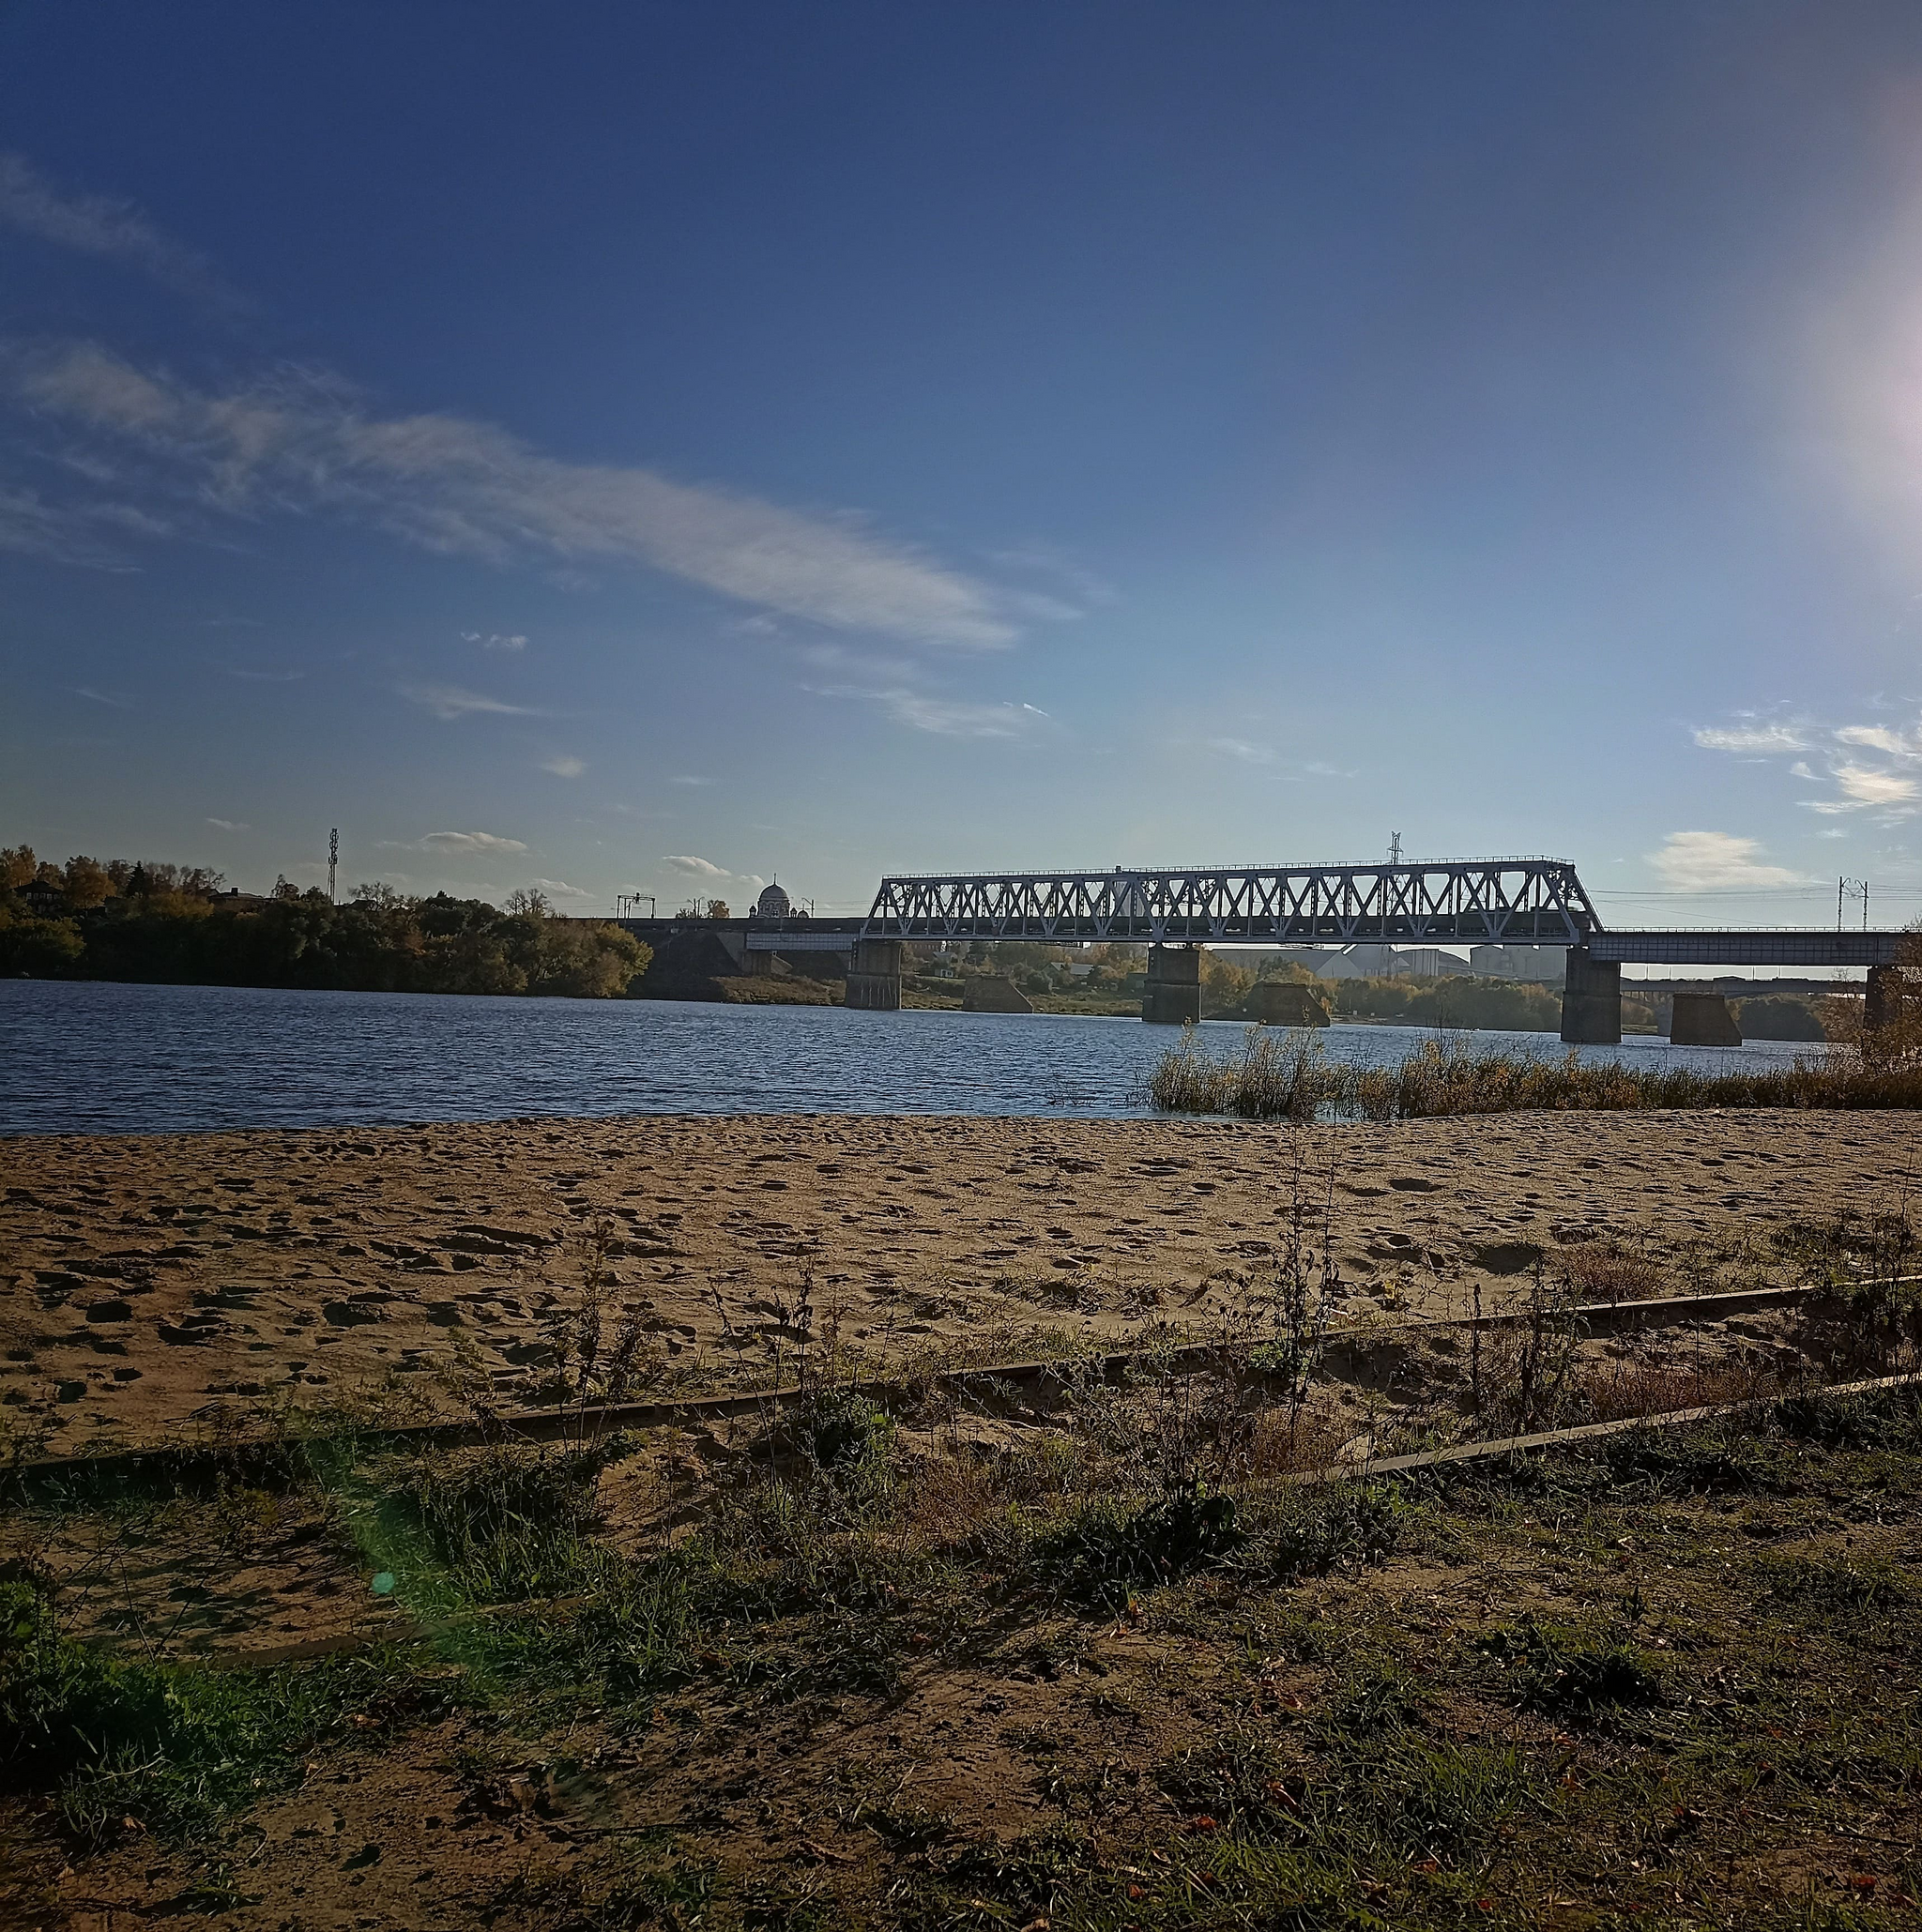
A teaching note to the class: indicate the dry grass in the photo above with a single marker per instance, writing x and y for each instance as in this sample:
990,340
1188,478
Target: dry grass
1598,1272
1292,1076
1608,1391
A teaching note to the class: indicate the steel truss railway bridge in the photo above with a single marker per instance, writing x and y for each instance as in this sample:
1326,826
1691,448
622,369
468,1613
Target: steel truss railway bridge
1176,911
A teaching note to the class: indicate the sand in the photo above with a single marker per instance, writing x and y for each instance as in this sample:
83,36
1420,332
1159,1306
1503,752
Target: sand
148,1281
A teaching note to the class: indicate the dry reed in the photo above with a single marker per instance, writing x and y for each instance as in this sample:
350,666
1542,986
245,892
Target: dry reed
1292,1076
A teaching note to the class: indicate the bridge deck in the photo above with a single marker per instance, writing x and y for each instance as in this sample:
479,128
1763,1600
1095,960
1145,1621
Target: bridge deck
1780,947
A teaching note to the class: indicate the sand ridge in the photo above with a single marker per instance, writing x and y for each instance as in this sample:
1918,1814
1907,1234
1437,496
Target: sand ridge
144,1278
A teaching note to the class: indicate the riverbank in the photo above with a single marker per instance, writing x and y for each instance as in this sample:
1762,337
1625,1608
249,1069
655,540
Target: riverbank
151,1279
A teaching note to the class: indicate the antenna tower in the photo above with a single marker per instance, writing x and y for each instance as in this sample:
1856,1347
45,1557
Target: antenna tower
334,859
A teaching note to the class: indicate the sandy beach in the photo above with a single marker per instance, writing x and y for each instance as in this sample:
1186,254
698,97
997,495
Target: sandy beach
148,1279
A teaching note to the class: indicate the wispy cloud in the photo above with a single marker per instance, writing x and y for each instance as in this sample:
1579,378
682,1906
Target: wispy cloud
564,766
450,701
1046,560
494,639
1888,785
446,842
559,889
1752,739
1244,750
1716,862
229,824
947,718
688,778
691,867
102,225
113,698
71,533
1272,759
943,717
253,676
1866,785
303,442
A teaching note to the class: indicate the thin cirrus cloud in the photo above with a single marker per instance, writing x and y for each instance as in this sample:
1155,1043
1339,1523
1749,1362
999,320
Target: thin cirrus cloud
72,534
229,824
450,701
1716,862
494,639
112,699
559,889
302,442
947,719
943,717
455,842
103,226
1866,767
564,766
1268,758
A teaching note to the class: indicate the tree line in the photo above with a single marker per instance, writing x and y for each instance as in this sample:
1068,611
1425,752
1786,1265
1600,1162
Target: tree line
149,921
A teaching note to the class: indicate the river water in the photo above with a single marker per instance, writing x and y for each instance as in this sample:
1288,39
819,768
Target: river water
94,1057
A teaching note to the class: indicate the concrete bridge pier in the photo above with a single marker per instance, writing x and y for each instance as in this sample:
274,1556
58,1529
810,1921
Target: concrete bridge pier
1703,1019
1591,1000
1172,997
1881,1004
873,976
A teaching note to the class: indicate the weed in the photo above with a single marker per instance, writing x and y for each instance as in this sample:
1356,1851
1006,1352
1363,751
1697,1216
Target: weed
509,1522
1309,1532
1107,1548
849,1437
1565,1674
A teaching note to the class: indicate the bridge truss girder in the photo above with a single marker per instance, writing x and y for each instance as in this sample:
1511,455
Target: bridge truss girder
1452,902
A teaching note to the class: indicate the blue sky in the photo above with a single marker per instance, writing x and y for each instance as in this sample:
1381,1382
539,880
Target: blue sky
660,448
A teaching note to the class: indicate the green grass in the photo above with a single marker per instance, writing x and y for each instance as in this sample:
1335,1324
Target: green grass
171,1746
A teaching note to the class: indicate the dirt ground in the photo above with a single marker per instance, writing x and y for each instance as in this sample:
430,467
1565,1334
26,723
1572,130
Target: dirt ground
1678,1692
144,1279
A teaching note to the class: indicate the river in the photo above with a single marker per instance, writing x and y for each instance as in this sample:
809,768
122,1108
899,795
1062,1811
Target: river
95,1058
